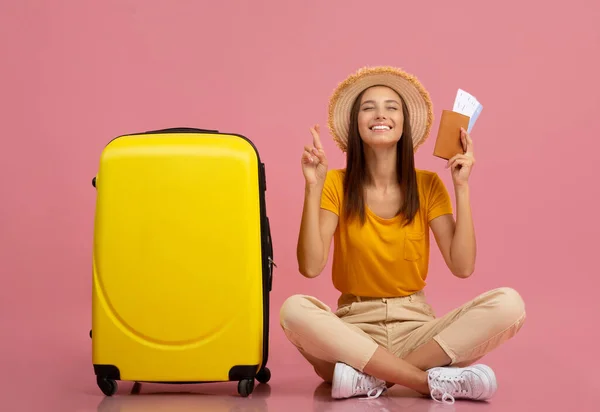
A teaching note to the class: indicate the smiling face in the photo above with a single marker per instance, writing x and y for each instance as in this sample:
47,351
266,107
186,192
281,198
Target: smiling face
380,118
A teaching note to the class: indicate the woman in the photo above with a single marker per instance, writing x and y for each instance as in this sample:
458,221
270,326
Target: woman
379,210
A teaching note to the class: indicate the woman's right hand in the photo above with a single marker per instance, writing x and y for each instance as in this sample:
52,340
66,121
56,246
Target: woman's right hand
314,161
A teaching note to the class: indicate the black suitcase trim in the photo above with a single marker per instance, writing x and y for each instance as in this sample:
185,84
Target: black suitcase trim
245,374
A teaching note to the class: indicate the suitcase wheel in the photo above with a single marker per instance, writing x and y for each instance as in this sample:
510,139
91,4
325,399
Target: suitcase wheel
245,387
263,375
107,386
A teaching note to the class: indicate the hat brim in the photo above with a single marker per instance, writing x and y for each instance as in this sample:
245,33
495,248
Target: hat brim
413,93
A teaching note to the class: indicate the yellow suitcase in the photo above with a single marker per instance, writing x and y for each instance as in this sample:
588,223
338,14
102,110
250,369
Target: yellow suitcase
182,260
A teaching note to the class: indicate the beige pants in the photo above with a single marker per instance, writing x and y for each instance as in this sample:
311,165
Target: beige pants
352,334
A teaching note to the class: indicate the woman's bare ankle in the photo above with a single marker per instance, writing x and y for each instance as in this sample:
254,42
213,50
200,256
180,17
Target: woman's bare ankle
386,366
423,387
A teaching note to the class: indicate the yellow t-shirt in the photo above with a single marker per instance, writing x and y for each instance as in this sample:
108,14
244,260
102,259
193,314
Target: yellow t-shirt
381,258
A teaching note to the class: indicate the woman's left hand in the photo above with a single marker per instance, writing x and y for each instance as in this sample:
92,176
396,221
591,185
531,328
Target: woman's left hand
462,164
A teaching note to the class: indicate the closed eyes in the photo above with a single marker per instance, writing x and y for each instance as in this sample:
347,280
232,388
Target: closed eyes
389,108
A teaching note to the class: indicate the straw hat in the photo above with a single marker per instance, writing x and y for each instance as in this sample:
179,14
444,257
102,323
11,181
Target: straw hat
406,85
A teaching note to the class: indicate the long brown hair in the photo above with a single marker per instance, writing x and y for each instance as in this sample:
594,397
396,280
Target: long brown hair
357,176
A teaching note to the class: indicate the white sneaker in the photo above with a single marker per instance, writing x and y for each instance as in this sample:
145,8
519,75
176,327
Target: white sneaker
477,382
348,382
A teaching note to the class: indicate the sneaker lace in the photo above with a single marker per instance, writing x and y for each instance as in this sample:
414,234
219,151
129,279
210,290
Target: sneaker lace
447,387
374,386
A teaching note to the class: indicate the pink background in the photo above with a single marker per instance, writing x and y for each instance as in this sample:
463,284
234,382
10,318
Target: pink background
75,74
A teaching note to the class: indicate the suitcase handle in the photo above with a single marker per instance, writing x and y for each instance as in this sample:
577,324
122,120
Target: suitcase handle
270,254
183,130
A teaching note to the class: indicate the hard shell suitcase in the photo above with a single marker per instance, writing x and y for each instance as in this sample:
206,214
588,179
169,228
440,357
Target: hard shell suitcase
182,260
